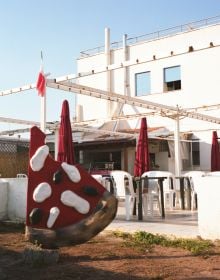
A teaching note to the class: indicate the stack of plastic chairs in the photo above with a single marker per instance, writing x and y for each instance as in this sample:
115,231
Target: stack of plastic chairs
153,196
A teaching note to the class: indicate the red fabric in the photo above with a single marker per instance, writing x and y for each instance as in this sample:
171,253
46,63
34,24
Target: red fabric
215,154
142,162
65,142
68,215
41,84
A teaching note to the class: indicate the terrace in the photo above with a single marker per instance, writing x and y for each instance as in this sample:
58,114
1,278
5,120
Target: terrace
188,27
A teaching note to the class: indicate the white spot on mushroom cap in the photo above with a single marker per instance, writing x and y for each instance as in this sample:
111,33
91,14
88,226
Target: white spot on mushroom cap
38,159
71,199
42,192
72,172
54,213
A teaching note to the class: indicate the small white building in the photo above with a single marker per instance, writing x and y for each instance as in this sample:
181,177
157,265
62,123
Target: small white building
179,67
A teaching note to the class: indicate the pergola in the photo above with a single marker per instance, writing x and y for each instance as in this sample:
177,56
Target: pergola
65,84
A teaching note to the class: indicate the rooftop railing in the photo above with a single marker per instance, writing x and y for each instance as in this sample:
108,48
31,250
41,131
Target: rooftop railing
155,35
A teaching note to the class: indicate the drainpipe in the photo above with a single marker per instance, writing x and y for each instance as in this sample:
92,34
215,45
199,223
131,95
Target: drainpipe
119,107
125,50
108,62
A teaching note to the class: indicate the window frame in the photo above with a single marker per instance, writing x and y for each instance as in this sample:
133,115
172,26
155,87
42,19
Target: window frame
149,85
172,85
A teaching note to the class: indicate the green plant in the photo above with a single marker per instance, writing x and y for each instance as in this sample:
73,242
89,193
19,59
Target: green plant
121,234
145,240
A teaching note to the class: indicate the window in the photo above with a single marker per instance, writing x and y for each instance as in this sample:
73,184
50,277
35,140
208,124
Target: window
195,152
172,79
142,81
100,160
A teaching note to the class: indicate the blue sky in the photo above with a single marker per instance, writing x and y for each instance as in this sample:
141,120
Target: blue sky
61,29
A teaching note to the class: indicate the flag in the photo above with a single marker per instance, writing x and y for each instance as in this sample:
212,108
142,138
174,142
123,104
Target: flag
41,83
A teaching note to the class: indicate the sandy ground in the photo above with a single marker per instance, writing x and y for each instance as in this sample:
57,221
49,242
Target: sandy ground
104,257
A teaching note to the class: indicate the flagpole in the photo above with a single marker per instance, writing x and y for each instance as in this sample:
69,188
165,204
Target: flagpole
42,104
43,113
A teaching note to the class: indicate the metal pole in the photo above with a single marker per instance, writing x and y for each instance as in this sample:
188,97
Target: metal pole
139,187
177,147
108,58
108,62
119,107
42,103
43,113
56,139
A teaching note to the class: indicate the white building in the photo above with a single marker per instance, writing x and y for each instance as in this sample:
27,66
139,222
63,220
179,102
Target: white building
178,67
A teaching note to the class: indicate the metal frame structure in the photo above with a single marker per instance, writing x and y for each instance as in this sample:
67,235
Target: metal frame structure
64,83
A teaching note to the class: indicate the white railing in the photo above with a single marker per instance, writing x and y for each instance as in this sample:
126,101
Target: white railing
155,35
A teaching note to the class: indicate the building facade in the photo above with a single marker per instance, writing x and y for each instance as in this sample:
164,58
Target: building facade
177,67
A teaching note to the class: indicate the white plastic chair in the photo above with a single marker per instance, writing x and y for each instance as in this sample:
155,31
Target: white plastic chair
21,175
98,177
213,173
192,175
151,196
124,189
106,182
168,189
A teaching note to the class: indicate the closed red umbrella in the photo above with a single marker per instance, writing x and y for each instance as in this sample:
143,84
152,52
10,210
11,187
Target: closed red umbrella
215,154
65,144
142,162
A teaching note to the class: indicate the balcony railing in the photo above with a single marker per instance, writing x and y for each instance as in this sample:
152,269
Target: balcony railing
155,35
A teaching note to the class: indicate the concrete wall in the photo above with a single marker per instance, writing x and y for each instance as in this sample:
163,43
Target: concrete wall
208,190
131,160
13,195
199,70
13,203
162,160
199,81
3,200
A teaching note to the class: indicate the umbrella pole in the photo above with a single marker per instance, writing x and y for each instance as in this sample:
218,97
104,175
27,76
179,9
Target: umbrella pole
139,187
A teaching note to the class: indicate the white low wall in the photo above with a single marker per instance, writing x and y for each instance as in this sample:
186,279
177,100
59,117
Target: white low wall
208,189
13,193
3,200
13,199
